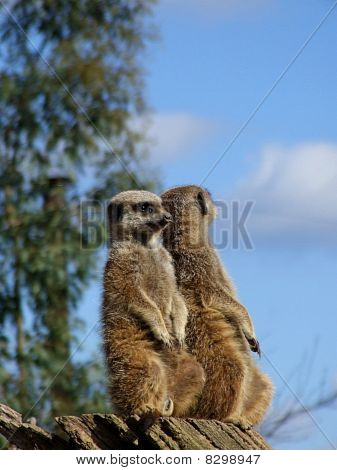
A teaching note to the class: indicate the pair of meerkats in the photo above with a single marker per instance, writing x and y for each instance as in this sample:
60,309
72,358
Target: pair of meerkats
177,341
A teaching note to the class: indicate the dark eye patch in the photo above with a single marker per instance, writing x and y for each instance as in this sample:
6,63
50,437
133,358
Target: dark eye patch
115,212
145,207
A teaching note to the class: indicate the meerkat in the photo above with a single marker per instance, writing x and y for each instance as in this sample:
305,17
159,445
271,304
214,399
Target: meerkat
144,316
219,331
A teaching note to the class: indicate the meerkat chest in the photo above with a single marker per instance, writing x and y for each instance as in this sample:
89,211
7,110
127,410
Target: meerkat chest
159,277
199,274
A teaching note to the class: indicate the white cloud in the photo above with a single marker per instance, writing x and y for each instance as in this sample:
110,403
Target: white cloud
214,9
176,135
295,193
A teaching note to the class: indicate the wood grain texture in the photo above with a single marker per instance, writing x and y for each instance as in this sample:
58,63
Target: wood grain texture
27,436
107,431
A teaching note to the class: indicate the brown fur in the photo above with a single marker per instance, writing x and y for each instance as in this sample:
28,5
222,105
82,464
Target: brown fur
144,316
219,328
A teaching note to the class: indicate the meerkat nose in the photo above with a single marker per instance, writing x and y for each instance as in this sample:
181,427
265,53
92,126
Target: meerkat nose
165,220
168,217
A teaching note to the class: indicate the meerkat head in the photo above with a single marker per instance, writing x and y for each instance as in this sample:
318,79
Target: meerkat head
192,210
136,215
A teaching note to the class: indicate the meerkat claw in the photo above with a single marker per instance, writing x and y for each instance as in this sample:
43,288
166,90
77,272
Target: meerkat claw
243,425
180,340
165,338
168,407
148,419
181,344
254,346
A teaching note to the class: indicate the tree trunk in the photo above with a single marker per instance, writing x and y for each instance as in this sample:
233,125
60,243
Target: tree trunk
57,316
17,314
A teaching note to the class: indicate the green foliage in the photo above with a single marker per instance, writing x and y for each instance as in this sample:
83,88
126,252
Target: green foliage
62,114
77,101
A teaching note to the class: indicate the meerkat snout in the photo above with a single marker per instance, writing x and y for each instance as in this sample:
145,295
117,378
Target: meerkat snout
167,219
159,220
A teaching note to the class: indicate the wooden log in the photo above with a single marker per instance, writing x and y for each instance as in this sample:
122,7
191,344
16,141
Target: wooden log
107,431
27,436
98,431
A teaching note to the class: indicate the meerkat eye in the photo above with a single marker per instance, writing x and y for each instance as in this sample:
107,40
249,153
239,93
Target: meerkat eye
146,207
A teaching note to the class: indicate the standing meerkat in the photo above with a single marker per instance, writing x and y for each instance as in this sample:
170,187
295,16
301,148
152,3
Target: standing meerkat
219,331
144,316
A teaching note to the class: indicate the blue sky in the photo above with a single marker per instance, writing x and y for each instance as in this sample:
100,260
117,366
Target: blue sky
215,61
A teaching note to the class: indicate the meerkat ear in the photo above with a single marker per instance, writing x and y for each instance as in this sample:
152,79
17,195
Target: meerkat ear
202,203
115,212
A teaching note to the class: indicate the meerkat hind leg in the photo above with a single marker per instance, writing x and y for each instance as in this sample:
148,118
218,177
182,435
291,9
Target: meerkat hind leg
237,417
139,385
225,368
186,381
260,395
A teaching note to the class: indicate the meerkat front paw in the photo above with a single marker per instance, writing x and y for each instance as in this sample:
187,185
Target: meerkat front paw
180,339
254,344
164,337
179,334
